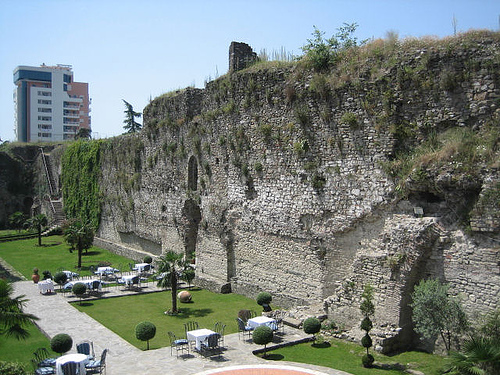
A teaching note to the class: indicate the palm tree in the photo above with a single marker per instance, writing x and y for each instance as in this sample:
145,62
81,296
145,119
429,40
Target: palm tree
79,236
480,355
12,318
171,265
17,220
37,222
130,124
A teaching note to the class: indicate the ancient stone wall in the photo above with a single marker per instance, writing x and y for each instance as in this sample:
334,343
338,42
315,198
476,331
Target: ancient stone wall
275,180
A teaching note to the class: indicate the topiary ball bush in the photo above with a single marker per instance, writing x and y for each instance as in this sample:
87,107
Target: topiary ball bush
46,275
145,331
61,343
312,325
60,278
366,324
262,335
366,341
79,289
147,259
367,360
264,298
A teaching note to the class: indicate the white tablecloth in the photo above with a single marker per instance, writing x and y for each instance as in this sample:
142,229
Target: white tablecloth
81,359
71,275
46,286
260,321
128,279
140,266
106,271
198,335
88,284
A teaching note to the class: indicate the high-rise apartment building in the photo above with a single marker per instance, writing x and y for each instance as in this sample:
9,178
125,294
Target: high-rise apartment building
49,105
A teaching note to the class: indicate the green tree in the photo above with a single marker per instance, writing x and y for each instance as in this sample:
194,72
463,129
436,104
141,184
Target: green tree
436,313
61,343
480,353
145,331
367,309
37,222
131,126
13,320
83,133
262,335
17,220
79,236
323,53
169,267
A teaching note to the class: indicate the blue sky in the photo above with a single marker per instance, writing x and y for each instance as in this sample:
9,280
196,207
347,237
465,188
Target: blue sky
137,50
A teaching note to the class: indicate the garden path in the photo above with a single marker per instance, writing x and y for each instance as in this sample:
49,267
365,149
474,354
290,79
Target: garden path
58,316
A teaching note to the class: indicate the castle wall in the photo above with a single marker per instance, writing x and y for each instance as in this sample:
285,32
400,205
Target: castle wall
264,177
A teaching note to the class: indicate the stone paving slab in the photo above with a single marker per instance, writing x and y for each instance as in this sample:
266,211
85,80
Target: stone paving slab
58,316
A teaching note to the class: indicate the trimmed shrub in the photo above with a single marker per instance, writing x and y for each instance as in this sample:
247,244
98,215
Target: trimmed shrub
366,341
61,343
264,299
262,335
367,360
145,331
79,290
366,324
46,275
147,259
312,325
60,278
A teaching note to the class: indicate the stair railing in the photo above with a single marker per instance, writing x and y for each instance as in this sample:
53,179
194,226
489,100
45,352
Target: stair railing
51,189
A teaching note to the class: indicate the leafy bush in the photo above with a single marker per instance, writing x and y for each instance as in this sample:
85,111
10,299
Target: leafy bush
323,53
262,335
367,360
79,290
46,275
11,368
366,341
350,119
147,259
60,278
312,325
366,324
145,331
264,299
61,343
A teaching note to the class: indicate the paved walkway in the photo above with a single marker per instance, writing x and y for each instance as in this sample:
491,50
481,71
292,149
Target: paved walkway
58,316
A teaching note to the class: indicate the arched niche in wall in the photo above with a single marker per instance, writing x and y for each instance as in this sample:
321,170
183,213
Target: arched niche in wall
192,174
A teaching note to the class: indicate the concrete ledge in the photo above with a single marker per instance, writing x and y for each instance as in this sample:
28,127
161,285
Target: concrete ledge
295,323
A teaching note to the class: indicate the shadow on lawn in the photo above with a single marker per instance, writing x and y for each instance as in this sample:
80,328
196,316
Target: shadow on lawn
187,312
50,244
321,345
273,357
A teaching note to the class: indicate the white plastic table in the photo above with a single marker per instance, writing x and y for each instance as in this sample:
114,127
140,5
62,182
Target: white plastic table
80,359
46,286
128,279
71,275
198,335
260,321
106,271
140,266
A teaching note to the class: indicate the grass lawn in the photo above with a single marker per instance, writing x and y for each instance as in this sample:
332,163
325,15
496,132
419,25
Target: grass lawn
121,315
21,351
346,356
53,255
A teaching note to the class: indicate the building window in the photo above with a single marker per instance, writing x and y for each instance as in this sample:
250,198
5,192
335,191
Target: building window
46,110
44,118
42,101
44,93
44,126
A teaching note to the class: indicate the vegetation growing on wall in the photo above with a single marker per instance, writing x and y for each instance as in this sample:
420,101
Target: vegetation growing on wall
80,181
